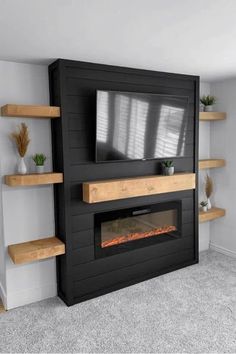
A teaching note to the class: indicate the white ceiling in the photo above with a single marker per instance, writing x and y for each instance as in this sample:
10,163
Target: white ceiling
185,36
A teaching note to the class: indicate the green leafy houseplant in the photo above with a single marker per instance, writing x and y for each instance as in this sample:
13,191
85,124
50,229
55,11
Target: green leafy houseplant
208,100
39,159
168,167
167,163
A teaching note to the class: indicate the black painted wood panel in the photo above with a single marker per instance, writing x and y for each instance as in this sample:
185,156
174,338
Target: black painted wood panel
73,87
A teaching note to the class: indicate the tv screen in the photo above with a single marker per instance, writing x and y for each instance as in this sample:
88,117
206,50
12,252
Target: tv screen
140,126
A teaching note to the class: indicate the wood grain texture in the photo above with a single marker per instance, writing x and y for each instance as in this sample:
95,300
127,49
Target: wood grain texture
211,116
29,111
211,163
35,250
33,179
107,190
213,213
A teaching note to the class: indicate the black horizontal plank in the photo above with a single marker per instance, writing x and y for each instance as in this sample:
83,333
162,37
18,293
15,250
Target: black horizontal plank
78,121
80,105
127,75
82,255
77,65
123,284
87,86
81,156
188,203
187,216
78,206
81,139
82,222
119,261
187,229
134,271
98,171
82,238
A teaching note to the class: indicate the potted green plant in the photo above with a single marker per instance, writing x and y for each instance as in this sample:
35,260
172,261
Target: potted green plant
168,168
39,160
208,102
204,206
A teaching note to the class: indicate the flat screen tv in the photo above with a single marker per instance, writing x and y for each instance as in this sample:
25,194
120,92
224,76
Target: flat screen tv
140,126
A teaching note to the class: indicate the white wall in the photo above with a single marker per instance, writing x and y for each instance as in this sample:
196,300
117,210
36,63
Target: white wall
204,153
28,212
223,144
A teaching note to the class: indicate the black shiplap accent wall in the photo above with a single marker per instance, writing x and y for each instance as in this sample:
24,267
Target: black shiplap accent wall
73,87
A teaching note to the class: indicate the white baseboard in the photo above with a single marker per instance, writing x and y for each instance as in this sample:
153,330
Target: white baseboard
222,250
28,296
3,296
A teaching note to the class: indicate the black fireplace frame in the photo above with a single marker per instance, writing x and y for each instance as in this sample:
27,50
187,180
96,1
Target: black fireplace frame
73,86
144,242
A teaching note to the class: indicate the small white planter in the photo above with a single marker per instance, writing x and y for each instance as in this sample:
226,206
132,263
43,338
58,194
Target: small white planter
208,108
169,171
21,167
209,204
204,208
39,169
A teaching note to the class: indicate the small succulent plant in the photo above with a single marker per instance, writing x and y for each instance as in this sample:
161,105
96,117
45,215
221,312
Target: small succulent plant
208,100
39,159
167,163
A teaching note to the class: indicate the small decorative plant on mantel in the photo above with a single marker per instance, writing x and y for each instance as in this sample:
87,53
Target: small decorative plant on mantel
39,160
208,102
168,167
204,206
22,140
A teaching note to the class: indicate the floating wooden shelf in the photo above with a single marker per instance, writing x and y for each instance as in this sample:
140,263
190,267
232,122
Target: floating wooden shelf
34,179
28,111
211,163
35,250
213,213
211,116
114,189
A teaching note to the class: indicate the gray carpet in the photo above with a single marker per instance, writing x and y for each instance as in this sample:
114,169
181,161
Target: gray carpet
192,310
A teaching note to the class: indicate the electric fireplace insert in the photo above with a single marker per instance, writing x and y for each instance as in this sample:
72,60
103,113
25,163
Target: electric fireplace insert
126,229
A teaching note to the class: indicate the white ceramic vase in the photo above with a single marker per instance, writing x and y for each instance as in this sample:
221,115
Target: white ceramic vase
208,204
21,167
40,169
208,108
204,208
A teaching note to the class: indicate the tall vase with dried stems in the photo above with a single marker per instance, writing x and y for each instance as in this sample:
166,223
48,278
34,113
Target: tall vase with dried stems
21,138
208,190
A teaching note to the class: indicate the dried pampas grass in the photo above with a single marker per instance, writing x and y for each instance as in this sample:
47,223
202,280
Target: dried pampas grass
208,186
21,138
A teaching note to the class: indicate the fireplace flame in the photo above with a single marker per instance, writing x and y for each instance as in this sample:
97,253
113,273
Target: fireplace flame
138,235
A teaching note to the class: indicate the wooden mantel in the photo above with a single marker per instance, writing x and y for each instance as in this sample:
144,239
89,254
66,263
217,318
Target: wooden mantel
114,189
